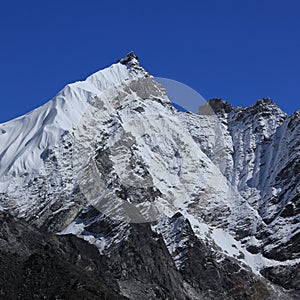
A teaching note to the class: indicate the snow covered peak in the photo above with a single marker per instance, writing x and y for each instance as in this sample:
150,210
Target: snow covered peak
23,140
266,104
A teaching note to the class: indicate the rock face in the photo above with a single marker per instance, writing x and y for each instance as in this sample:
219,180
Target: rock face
132,198
36,265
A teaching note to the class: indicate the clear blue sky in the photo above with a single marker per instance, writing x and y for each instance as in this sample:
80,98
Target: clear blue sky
238,50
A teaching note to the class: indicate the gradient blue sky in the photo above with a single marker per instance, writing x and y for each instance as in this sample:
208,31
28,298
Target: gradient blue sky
238,50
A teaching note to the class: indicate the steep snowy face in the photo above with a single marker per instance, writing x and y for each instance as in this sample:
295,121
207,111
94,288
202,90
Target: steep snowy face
24,139
38,167
265,171
260,151
115,142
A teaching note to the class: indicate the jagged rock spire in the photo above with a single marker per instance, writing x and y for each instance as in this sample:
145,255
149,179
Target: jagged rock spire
215,105
130,59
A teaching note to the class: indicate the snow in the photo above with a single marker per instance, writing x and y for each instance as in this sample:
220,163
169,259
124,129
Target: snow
103,242
43,127
234,248
78,229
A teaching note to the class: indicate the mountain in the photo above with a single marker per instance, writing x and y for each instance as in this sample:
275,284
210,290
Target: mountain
136,199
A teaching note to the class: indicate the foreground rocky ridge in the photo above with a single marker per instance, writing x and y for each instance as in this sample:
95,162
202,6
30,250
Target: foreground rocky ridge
110,161
35,264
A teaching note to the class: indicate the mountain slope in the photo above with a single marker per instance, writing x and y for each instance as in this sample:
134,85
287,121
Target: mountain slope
111,153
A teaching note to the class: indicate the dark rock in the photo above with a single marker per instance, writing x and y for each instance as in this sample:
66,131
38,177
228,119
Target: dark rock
285,251
143,258
253,249
215,105
286,276
129,57
36,265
